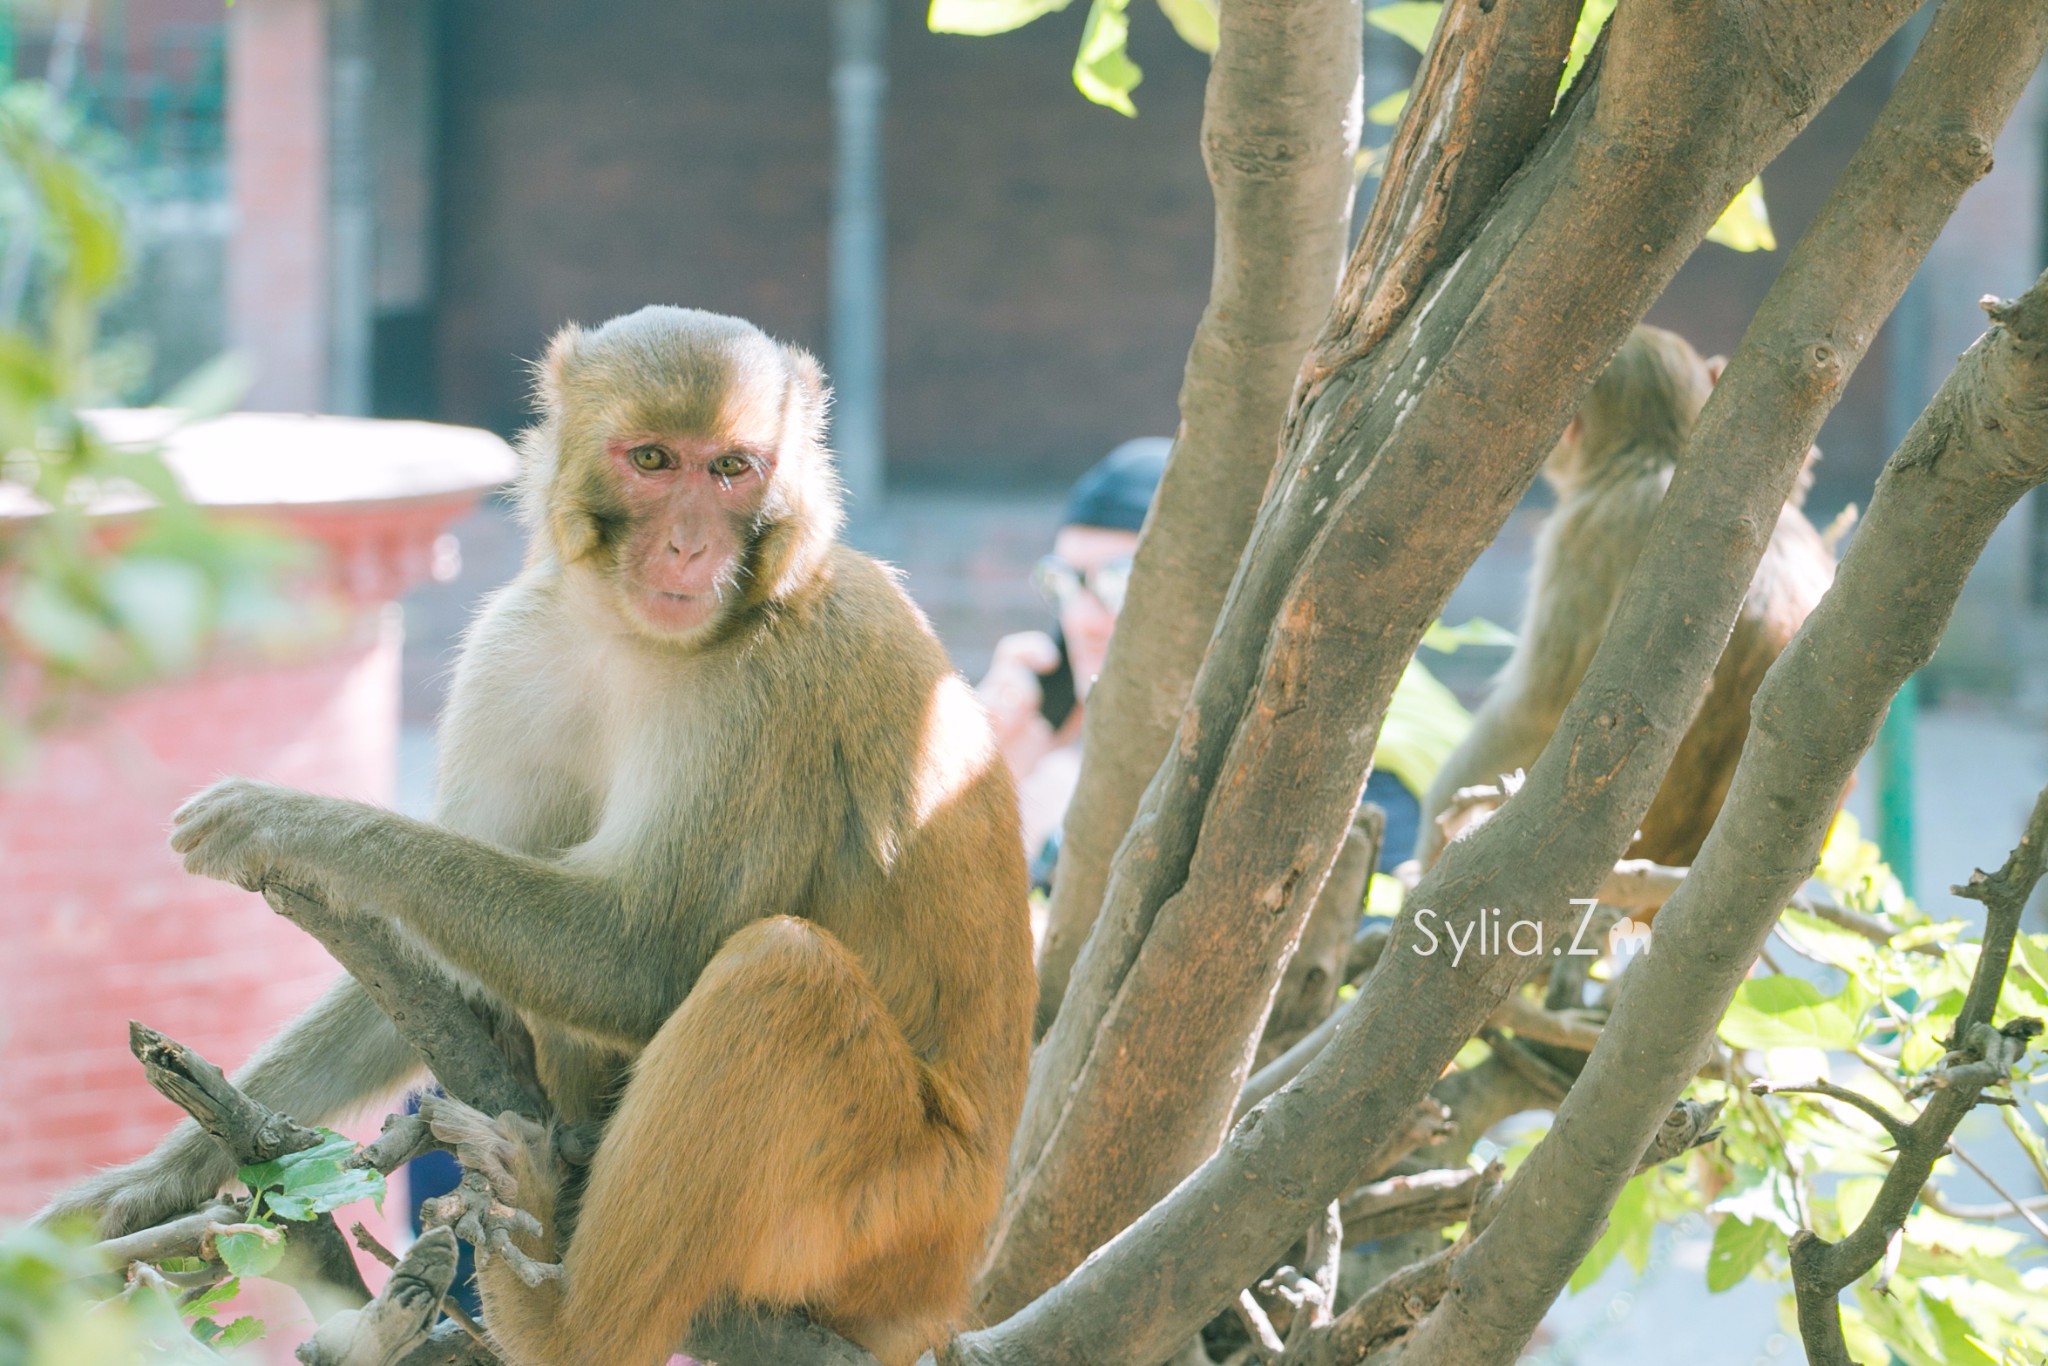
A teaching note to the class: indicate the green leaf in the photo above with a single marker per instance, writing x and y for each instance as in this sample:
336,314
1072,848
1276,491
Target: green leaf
250,1254
1763,1197
330,1190
1957,1344
1592,19
1447,640
239,1333
1777,1012
1745,225
980,18
227,1337
2033,958
1412,21
1194,21
57,624
209,1299
315,1181
1630,1222
1103,69
1424,723
1826,942
162,604
1854,1196
1386,112
1738,1247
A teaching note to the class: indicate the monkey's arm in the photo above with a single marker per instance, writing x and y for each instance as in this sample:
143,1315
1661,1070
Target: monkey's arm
325,1064
548,938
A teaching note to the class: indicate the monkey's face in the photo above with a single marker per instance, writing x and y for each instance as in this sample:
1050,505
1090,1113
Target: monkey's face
692,504
684,474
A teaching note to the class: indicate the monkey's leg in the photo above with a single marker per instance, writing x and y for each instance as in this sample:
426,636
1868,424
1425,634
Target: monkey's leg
341,1052
773,1146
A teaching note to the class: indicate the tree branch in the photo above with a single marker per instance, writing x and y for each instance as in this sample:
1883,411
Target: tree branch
316,1262
456,1045
1280,126
1981,445
1136,1081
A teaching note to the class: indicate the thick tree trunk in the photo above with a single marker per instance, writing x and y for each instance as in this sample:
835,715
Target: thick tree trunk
1280,126
1402,464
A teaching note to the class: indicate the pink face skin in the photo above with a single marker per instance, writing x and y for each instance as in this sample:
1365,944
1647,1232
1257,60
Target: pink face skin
690,501
1084,621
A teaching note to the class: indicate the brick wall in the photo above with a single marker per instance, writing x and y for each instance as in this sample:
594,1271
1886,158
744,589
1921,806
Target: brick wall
1048,259
102,924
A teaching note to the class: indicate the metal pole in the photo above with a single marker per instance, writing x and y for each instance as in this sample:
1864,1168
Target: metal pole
859,264
351,212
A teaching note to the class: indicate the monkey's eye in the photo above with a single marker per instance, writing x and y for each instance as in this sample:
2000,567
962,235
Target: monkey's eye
731,466
651,458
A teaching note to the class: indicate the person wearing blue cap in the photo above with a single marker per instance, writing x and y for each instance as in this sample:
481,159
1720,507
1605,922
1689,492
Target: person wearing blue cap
1037,681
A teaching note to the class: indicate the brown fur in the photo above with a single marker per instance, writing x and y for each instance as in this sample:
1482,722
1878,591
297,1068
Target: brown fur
1610,472
766,868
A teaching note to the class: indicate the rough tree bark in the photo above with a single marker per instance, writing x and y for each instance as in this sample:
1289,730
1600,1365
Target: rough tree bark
1280,127
1361,538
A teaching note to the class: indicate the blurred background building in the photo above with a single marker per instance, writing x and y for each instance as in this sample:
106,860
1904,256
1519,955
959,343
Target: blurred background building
388,205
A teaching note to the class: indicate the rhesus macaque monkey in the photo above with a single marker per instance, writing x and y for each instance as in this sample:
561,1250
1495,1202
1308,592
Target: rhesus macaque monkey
720,823
1610,470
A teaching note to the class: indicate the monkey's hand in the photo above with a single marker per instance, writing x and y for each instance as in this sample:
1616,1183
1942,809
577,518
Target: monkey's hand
248,833
184,1172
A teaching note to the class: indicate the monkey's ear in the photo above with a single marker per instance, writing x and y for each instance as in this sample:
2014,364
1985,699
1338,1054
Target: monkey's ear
1716,367
814,396
551,374
808,374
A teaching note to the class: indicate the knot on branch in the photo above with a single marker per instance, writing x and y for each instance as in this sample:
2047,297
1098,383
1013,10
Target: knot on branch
1689,1125
1960,155
2026,317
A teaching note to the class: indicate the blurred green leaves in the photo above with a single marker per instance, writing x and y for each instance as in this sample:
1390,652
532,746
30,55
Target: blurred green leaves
1103,68
109,576
48,1317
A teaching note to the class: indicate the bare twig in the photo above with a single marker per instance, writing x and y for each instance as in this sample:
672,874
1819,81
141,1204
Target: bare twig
1403,1204
251,1131
405,1137
180,1237
1984,1056
2033,1220
1898,1128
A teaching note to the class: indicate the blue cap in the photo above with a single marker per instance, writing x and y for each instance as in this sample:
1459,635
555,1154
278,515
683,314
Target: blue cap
1118,489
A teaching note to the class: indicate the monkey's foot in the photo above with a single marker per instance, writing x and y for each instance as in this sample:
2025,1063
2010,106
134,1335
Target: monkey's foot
489,1225
399,1319
481,1209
